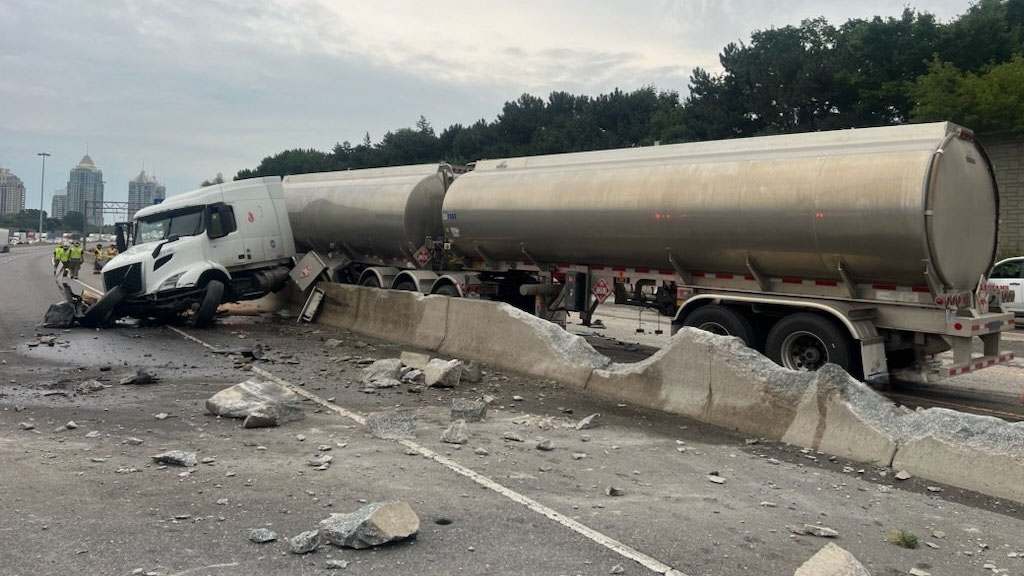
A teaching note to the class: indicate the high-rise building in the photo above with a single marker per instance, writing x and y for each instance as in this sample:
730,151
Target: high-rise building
85,192
59,206
144,191
12,193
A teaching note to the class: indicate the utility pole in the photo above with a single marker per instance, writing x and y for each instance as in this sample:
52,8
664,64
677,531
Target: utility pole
42,187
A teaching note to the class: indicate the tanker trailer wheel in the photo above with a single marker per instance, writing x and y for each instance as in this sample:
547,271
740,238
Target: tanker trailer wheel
208,307
723,321
99,313
807,342
448,290
407,285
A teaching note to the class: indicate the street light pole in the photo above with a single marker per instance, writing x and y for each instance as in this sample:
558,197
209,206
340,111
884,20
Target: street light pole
42,187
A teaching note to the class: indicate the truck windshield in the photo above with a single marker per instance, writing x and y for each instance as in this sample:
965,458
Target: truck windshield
186,222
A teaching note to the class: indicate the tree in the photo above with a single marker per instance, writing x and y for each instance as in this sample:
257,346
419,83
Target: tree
992,100
73,222
218,179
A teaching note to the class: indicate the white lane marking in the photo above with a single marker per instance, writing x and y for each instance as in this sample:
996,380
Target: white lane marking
612,544
191,570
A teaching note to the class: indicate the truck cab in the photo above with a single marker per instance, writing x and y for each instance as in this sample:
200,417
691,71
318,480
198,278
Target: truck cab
187,255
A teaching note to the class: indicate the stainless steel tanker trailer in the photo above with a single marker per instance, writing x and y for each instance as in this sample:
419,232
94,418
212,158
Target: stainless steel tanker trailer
867,248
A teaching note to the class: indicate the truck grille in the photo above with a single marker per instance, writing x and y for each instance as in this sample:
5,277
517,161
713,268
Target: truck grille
129,277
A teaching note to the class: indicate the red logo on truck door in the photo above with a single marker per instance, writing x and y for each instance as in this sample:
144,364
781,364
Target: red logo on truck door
250,217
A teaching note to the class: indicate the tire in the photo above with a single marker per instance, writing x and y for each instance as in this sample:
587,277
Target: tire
724,321
448,290
99,314
208,307
407,285
807,342
370,281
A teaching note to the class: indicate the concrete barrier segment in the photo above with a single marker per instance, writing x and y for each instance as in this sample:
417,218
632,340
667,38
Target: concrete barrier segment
676,379
506,337
980,453
402,316
841,416
340,305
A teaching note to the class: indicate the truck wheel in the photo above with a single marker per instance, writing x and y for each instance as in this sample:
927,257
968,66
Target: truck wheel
407,285
807,342
724,321
370,282
208,307
448,290
99,313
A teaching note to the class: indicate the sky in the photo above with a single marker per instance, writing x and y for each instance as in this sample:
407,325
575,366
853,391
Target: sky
186,89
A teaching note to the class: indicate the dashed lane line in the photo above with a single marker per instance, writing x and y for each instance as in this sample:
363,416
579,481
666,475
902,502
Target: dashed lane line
608,542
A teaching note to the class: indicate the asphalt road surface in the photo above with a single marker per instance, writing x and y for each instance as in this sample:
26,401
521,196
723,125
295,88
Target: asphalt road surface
89,500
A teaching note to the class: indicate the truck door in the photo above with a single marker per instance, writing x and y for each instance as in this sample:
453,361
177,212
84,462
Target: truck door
226,247
254,228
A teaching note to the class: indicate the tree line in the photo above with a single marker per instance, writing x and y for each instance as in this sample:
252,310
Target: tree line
815,76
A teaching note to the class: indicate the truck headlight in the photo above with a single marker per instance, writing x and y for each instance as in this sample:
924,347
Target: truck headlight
171,282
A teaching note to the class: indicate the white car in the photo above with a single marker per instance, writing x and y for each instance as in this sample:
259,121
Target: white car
1008,276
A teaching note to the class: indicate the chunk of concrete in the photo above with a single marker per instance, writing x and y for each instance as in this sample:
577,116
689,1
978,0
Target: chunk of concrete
832,560
176,458
269,403
442,373
386,369
468,410
305,542
417,360
457,433
392,425
372,525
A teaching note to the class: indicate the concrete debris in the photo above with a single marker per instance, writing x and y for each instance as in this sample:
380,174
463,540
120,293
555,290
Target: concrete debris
176,458
588,422
90,386
387,369
578,455
832,560
442,373
372,525
468,410
414,376
767,504
262,404
337,564
471,372
617,569
933,489
382,383
140,377
919,572
333,343
392,425
305,542
512,437
262,535
92,434
545,445
481,451
321,462
903,475
26,426
71,425
716,479
161,416
614,492
415,360
457,433
813,530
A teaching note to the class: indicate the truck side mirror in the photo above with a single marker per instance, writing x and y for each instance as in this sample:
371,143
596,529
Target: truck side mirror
122,245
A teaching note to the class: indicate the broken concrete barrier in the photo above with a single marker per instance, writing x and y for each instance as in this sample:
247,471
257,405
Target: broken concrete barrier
402,316
832,560
372,525
442,373
260,403
340,304
386,369
417,360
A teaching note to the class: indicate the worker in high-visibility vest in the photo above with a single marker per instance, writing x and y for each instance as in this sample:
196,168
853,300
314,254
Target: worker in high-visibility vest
58,255
111,252
98,255
65,257
75,258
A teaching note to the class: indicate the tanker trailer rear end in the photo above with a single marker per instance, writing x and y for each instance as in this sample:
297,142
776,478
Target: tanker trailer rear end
867,248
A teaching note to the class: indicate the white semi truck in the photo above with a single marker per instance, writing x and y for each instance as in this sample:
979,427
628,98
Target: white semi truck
867,248
5,240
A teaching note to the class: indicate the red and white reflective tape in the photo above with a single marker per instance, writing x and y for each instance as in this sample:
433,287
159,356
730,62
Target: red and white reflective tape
981,363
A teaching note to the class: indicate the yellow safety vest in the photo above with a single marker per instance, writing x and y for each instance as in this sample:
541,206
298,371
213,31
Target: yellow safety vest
76,252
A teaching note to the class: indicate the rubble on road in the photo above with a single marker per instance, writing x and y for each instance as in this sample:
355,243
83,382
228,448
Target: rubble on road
443,373
372,525
262,535
321,462
262,404
832,560
90,386
471,372
588,422
416,360
387,370
457,433
141,376
176,458
813,530
305,542
392,425
468,410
